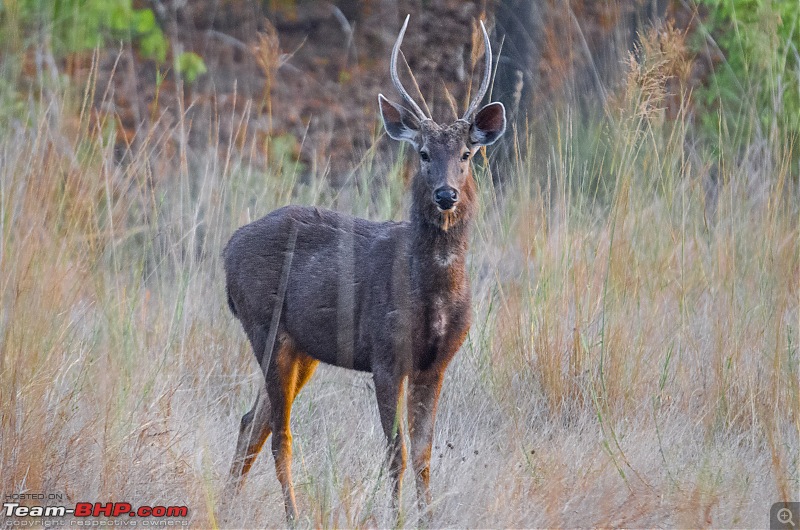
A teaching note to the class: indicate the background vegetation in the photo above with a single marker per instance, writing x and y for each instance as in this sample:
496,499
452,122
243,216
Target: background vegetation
755,86
634,357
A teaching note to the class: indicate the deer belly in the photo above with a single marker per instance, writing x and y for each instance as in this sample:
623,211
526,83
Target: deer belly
327,332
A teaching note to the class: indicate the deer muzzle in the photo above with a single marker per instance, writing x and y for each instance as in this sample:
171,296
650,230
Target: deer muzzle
445,198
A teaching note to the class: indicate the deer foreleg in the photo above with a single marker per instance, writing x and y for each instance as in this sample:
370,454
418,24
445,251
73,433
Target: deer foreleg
387,390
423,398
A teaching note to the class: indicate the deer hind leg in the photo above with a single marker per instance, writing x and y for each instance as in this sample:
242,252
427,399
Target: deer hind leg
387,390
289,370
255,427
423,399
306,366
253,432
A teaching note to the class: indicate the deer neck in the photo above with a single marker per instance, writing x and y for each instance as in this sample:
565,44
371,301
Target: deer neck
438,256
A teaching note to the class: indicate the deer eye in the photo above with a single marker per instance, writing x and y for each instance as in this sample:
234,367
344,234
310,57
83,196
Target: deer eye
424,156
465,156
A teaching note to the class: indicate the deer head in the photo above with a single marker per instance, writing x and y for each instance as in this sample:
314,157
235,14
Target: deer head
443,189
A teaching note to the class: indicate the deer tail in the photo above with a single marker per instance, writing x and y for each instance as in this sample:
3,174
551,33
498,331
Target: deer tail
231,305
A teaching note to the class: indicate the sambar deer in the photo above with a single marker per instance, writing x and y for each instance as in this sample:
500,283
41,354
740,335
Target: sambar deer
391,298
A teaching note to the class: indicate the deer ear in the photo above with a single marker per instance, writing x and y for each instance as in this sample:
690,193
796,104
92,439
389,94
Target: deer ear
488,125
400,123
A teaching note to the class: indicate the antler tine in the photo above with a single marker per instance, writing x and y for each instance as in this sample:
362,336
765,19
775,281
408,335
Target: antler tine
396,79
487,75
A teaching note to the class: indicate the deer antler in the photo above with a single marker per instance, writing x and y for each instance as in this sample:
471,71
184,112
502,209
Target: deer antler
487,74
396,79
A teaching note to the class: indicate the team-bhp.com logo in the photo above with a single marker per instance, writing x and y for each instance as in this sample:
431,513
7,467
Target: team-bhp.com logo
89,513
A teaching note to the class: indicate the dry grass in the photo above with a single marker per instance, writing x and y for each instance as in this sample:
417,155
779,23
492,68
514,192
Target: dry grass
633,360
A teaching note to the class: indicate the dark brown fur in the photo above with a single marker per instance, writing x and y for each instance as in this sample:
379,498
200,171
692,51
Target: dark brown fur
311,285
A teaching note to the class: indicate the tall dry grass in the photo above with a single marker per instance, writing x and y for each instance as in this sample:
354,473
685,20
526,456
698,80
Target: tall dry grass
633,360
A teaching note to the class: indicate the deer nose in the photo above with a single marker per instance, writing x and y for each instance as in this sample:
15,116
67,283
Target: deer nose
445,197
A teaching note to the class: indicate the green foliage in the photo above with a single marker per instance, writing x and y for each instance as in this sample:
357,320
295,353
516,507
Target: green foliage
757,83
79,25
12,106
283,151
190,65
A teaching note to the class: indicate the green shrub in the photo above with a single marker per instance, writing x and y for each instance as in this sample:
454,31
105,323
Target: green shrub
79,25
757,85
189,65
